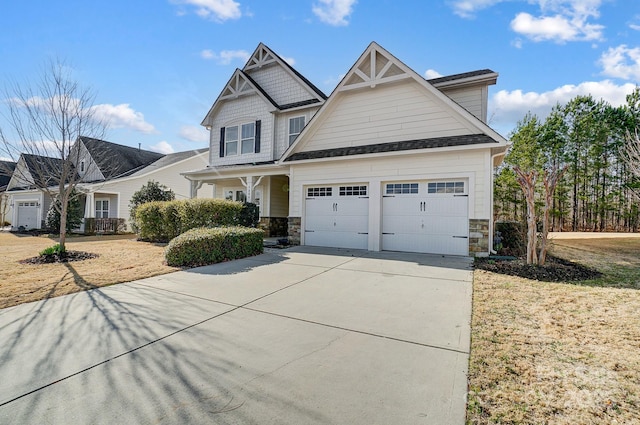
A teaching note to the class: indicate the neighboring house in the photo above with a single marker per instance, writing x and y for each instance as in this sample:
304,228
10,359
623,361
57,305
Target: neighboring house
6,171
109,175
390,161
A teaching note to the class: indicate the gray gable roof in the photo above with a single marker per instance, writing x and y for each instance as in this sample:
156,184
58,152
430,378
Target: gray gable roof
44,170
6,170
169,159
438,142
116,160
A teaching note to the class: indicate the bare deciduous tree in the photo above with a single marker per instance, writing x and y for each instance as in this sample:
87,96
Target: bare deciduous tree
43,122
631,157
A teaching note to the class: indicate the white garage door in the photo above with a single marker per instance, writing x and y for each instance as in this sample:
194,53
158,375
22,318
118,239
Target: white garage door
337,216
429,217
28,214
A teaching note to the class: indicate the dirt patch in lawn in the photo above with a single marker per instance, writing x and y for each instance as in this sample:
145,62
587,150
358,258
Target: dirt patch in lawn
559,353
120,259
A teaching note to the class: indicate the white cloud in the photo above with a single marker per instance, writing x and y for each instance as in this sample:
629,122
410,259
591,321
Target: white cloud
334,12
194,133
123,116
215,10
225,57
555,28
510,106
468,8
557,20
290,61
621,62
431,73
634,27
163,147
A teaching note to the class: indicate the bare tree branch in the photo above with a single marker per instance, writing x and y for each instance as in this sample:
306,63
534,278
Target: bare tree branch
44,122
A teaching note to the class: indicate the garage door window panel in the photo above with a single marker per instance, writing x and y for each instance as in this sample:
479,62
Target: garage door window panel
445,188
402,188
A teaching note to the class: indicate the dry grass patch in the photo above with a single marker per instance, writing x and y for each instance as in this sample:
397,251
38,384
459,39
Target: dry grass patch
559,353
122,259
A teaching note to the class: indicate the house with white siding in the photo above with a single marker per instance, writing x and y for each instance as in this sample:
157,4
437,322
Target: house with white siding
108,174
389,161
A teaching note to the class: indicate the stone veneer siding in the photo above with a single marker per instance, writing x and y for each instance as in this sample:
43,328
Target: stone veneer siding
478,237
295,223
274,226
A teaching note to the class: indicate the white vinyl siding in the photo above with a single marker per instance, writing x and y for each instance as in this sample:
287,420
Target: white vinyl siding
472,99
426,166
384,114
244,110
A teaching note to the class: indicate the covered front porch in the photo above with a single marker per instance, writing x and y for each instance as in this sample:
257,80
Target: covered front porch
101,213
265,186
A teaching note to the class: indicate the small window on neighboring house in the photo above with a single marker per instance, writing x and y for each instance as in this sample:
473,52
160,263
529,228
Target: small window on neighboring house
82,166
295,127
248,138
102,208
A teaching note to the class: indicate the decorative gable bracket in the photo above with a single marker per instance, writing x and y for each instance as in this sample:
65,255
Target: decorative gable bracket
238,85
260,58
375,67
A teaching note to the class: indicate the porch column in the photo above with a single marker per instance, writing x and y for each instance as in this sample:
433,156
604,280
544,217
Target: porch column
195,185
250,183
89,206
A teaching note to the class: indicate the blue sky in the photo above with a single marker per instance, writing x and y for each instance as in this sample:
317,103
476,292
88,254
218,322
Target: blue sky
158,66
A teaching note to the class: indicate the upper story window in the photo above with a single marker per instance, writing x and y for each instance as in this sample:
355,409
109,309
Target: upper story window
296,125
248,138
82,166
240,139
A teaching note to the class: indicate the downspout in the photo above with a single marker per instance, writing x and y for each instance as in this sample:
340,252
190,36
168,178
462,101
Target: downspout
491,224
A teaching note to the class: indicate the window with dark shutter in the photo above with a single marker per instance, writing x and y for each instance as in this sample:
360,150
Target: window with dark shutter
258,128
221,142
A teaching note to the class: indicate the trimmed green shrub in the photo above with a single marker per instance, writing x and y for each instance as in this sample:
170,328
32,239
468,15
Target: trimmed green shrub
209,213
249,215
203,246
152,191
163,221
513,237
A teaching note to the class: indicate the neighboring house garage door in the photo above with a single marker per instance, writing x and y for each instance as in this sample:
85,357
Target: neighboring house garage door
337,216
429,217
28,214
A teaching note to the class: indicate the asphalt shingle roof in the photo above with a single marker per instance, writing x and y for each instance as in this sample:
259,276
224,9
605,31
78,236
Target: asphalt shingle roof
460,76
6,170
118,160
438,142
169,159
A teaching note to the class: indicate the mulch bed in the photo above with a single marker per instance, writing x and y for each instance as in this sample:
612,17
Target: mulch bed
55,258
554,270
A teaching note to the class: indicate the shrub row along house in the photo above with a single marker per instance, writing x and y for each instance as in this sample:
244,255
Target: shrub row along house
109,174
388,161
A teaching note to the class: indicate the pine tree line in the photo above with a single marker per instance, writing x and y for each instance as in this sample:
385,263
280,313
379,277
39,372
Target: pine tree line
597,191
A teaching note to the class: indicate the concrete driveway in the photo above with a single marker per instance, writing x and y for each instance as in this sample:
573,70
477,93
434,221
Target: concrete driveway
297,336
